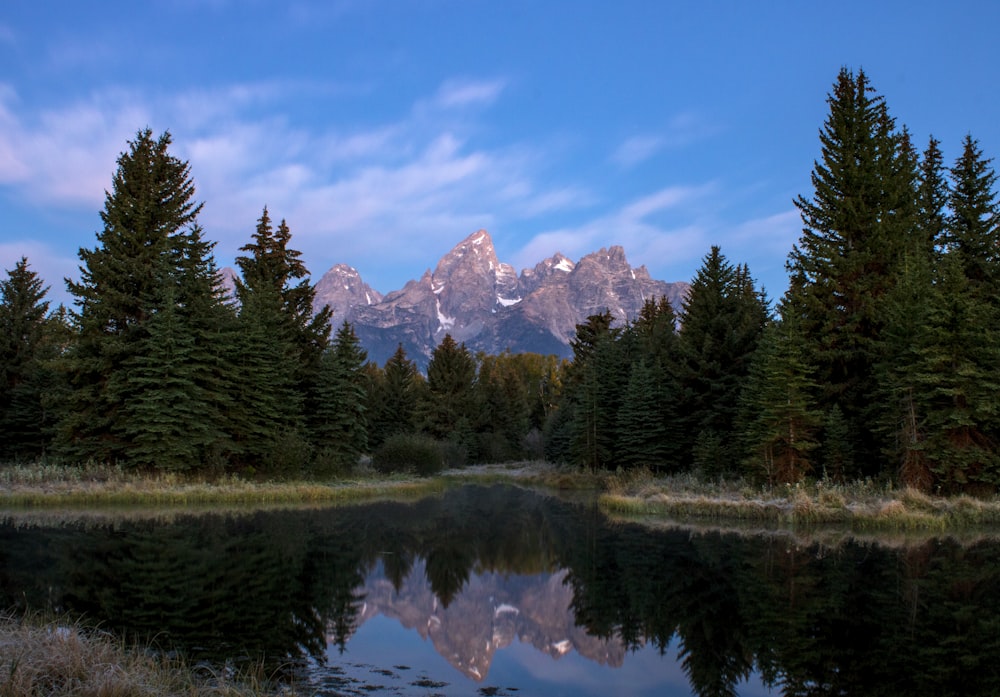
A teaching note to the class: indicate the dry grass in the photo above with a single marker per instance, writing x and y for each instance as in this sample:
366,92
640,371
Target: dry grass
861,505
55,658
43,485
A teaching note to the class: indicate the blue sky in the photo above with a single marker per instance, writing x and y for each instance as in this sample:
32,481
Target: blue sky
386,131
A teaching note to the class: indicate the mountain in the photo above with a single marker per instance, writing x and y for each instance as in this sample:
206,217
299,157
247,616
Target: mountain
484,303
490,612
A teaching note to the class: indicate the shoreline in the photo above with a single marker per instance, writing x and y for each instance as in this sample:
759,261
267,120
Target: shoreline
639,496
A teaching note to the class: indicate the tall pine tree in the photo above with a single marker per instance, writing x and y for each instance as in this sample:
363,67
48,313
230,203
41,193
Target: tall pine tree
856,229
145,256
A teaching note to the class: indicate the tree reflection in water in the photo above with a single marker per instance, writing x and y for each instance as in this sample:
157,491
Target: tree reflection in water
480,567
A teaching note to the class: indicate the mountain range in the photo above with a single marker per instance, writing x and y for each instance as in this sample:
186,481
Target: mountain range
486,304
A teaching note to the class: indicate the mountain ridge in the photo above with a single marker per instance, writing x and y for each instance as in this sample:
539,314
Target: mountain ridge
484,303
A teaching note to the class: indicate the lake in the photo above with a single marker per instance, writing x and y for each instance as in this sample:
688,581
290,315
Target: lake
503,591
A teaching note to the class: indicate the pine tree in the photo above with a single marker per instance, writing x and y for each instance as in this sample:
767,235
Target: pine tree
278,323
778,418
26,350
164,424
932,197
643,436
596,381
338,424
140,251
502,408
721,323
392,398
856,230
446,410
958,383
972,232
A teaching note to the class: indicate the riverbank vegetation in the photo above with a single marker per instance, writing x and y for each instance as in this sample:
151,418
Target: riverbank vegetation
634,494
879,364
39,657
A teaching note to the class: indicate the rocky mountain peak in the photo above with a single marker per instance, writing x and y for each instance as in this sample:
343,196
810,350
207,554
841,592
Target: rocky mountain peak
482,301
343,290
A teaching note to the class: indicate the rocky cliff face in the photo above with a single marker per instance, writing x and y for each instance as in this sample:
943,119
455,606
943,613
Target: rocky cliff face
343,290
484,303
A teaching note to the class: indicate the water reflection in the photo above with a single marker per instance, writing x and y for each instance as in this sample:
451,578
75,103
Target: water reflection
483,572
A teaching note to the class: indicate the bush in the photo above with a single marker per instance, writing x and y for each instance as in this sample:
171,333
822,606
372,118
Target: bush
409,452
287,457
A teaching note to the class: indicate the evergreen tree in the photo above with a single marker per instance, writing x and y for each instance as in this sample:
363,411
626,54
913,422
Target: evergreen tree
856,229
148,217
958,383
932,197
392,397
779,421
27,347
643,435
972,232
596,381
164,424
721,323
502,408
446,410
901,420
339,426
278,323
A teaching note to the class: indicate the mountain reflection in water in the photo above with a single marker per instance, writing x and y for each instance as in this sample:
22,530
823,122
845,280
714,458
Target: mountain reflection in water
491,612
483,573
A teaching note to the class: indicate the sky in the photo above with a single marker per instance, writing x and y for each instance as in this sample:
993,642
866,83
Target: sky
386,131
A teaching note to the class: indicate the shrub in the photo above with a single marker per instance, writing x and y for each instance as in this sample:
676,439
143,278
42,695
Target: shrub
406,452
289,454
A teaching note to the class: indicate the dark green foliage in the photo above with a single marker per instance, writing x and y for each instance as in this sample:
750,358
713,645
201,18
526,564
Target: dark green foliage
164,421
502,409
446,410
972,232
778,418
721,324
956,372
855,233
149,252
391,397
279,349
837,446
932,198
30,341
409,452
643,435
594,387
267,401
338,426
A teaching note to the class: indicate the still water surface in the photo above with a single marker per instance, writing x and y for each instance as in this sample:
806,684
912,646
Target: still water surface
502,591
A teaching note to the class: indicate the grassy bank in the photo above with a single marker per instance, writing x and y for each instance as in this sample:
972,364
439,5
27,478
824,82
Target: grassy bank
56,658
53,486
860,506
640,494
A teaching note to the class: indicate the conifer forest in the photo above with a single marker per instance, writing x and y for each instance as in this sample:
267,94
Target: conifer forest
881,360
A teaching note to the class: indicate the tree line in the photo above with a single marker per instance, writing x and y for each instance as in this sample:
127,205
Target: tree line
879,361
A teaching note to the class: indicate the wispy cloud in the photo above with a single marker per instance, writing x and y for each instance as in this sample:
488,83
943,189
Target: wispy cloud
460,93
637,225
637,149
381,196
680,131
